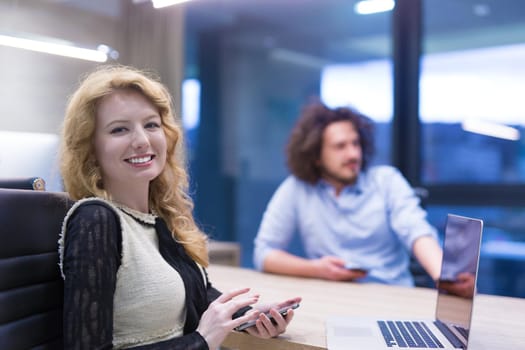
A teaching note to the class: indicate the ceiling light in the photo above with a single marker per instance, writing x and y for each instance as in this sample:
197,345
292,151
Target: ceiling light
491,129
481,10
164,3
367,7
297,58
61,49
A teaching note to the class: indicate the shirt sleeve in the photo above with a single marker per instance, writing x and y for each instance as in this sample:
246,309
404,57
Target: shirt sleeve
407,218
92,251
278,224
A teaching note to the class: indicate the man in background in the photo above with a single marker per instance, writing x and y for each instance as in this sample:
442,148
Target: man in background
356,222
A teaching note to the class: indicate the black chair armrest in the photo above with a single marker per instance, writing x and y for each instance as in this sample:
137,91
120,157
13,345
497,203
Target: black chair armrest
24,183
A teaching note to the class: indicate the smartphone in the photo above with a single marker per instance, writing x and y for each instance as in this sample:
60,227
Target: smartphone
355,267
282,311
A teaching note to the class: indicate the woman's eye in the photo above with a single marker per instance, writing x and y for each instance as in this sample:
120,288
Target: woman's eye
117,130
152,125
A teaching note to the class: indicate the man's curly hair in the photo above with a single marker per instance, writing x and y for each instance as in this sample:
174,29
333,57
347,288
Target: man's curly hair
306,139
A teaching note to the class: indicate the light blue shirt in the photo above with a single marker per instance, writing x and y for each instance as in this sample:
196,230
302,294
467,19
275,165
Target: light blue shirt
372,224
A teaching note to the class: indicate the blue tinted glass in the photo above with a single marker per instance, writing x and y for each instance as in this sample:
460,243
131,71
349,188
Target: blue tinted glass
453,155
471,111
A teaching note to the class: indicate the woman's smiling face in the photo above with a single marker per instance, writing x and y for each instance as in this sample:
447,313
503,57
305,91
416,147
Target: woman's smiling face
130,144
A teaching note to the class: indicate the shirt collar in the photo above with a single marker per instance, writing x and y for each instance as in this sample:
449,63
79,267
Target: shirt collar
356,188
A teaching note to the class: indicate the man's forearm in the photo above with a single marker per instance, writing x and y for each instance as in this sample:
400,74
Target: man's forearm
281,262
429,254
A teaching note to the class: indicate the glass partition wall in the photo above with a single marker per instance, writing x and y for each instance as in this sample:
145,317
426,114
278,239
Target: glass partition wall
472,128
441,80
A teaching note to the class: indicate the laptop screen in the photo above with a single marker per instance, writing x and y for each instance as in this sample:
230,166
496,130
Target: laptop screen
457,285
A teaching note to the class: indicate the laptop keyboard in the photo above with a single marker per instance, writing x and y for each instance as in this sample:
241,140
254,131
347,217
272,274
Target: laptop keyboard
448,333
408,334
462,331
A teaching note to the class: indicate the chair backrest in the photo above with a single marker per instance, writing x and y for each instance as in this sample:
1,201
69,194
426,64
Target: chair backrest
31,288
24,183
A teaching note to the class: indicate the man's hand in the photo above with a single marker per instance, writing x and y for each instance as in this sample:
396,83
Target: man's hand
333,268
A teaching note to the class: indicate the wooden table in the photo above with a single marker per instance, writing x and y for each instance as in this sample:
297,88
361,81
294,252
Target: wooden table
498,322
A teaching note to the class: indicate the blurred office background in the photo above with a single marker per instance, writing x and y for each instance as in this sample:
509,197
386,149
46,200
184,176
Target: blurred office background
443,79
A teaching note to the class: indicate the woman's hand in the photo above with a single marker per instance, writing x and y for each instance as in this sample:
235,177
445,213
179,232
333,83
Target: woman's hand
269,328
216,322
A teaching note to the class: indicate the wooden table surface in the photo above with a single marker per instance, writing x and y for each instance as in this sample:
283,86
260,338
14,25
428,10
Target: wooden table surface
498,322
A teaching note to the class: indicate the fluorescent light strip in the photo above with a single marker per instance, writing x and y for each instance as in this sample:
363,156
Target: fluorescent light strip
491,129
164,3
368,7
54,49
298,58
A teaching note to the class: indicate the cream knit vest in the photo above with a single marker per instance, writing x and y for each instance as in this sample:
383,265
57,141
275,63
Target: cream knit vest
149,301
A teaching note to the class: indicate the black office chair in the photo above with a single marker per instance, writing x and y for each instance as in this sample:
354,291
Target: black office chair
31,288
24,183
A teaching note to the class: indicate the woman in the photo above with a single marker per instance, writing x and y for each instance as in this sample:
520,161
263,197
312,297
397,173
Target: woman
132,256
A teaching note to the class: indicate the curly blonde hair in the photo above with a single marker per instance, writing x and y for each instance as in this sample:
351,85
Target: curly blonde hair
168,193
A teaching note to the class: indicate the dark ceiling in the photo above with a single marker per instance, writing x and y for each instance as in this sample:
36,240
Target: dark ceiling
330,30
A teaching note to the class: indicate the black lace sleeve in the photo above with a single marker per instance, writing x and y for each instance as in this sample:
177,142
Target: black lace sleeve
92,251
91,260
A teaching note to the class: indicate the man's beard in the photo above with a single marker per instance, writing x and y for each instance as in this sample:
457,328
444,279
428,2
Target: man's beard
343,180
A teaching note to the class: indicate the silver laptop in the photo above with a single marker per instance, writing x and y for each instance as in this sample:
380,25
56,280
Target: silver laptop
456,290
